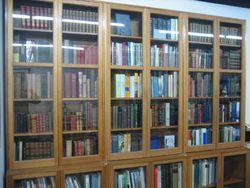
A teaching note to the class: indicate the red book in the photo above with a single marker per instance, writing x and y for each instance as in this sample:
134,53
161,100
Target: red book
33,21
41,9
155,177
28,12
37,13
23,12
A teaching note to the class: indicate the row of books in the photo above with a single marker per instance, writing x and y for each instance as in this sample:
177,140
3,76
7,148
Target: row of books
168,175
205,172
27,150
80,52
36,182
200,85
131,24
162,141
32,50
87,180
81,146
32,85
85,119
199,136
164,84
132,178
127,85
164,114
164,28
85,21
230,111
33,122
33,20
200,58
126,116
200,112
126,53
230,59
197,31
230,85
229,133
228,35
80,84
164,55
126,142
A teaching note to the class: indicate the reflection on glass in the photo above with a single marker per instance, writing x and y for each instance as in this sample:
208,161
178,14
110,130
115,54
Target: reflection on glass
163,138
201,58
205,172
126,23
164,27
230,34
230,85
132,177
229,133
84,180
36,182
229,110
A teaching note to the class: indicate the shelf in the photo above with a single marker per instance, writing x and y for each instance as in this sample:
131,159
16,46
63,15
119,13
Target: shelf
200,70
197,98
79,99
126,37
33,30
80,132
33,134
40,65
30,100
80,33
200,125
230,71
126,98
80,66
230,123
165,127
126,129
164,68
236,97
201,43
163,40
230,45
164,98
233,181
121,67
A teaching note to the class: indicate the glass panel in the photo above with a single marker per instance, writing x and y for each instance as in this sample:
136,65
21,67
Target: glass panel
229,110
83,180
126,23
205,173
164,27
200,31
234,171
132,177
36,182
168,175
200,57
230,58
230,34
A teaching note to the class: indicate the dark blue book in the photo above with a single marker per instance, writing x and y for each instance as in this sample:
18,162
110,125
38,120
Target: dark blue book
155,142
114,143
123,19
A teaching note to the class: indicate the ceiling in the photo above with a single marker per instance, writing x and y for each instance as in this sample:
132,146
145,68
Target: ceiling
237,3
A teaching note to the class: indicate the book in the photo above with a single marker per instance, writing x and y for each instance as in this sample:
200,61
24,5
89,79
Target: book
124,19
229,133
200,58
197,28
164,84
169,141
229,111
36,182
226,31
230,85
230,59
199,136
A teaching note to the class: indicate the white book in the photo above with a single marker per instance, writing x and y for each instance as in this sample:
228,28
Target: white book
119,180
160,86
84,85
169,141
142,178
156,56
87,181
20,151
238,110
159,176
68,148
80,84
122,81
152,56
117,86
167,114
132,86
179,175
175,84
197,137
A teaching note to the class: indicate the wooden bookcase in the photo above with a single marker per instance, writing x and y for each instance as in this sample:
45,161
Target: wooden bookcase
120,94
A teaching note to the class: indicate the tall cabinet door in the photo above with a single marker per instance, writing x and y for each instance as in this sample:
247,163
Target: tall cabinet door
80,82
32,73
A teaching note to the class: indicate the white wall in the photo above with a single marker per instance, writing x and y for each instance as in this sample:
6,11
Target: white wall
204,8
1,99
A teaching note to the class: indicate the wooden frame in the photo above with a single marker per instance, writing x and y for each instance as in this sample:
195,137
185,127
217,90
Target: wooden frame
186,72
99,67
179,69
105,161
